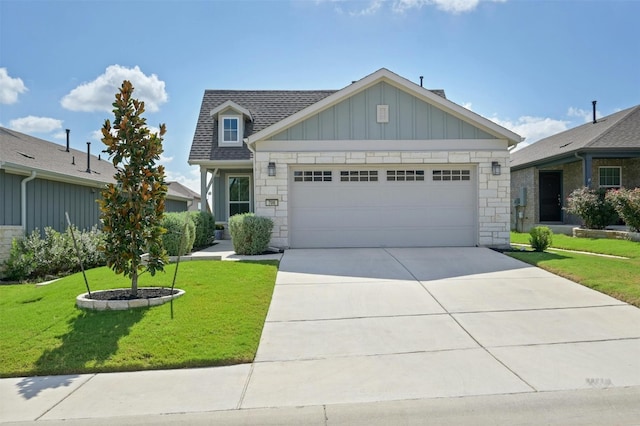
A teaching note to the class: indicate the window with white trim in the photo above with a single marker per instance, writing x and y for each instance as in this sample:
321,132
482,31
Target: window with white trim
405,175
359,176
230,130
610,177
451,175
312,176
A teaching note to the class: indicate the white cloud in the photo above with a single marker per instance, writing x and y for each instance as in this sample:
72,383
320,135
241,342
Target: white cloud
60,135
450,6
164,159
585,115
373,7
192,181
10,87
370,7
533,128
96,135
31,124
99,94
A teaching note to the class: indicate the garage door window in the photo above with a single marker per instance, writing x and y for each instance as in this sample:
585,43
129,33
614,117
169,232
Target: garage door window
405,175
359,176
451,175
312,176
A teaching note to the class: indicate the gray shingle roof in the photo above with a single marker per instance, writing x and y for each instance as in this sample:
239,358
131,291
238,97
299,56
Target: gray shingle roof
267,107
18,150
180,188
619,131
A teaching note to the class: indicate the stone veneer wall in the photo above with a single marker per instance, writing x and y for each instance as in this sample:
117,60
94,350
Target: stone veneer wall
493,191
572,179
525,178
7,234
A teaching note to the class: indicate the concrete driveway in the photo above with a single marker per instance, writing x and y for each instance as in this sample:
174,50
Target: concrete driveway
383,336
361,325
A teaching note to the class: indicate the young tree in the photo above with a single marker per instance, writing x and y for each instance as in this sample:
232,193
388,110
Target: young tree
131,210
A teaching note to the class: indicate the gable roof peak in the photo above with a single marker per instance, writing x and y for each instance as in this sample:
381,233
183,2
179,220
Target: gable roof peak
384,75
232,105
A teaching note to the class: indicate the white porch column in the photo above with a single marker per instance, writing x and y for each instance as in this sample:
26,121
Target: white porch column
204,203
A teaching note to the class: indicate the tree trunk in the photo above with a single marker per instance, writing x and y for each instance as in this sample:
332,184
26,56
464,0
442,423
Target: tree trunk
134,283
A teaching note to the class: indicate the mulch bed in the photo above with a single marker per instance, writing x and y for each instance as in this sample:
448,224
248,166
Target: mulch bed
125,294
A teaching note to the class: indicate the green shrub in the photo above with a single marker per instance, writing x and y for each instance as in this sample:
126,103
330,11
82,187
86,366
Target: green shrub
626,202
205,223
540,238
174,225
592,206
250,234
35,257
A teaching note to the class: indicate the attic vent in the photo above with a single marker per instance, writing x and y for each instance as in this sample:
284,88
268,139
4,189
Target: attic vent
26,155
382,114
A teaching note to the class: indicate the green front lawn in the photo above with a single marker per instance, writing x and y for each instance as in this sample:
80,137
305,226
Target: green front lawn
593,245
619,278
217,322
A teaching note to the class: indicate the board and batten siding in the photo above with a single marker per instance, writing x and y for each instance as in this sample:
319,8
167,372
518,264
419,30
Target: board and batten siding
10,200
172,206
220,190
409,119
47,202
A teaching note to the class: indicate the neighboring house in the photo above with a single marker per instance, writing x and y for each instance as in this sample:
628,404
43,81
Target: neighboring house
194,198
41,180
604,153
382,162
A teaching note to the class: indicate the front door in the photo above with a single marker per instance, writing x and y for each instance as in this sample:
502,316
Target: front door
550,196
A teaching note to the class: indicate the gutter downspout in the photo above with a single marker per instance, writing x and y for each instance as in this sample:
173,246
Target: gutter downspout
23,200
586,170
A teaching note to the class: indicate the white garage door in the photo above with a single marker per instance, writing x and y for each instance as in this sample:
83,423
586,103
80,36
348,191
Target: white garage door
384,206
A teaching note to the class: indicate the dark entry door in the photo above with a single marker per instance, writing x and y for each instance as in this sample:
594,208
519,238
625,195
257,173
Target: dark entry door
550,196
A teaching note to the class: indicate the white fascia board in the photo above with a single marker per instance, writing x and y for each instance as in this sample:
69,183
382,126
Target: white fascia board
457,110
223,164
387,76
232,105
457,145
59,177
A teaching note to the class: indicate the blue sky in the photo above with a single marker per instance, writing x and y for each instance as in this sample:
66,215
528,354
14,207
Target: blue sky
531,66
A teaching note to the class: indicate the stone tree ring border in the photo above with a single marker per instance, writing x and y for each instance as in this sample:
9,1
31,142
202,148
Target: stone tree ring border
84,302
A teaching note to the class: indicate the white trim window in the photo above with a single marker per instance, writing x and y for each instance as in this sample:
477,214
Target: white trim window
230,130
610,177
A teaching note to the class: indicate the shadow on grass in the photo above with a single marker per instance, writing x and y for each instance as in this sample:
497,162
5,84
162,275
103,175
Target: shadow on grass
535,257
92,339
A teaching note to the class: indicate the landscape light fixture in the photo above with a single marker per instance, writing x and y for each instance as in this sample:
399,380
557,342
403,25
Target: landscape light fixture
495,168
272,169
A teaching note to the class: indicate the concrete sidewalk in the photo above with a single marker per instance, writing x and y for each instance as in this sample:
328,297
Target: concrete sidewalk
385,336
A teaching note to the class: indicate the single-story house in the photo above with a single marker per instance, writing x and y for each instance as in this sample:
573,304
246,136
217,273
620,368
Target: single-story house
41,180
603,153
381,162
194,197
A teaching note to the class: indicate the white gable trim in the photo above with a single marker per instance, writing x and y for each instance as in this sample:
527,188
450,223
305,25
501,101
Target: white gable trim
234,106
387,76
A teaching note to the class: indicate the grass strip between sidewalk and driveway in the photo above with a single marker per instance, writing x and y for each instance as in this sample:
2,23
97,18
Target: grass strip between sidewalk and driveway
218,321
619,278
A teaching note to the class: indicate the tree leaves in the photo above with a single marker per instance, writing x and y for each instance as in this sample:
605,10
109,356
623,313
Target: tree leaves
131,210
